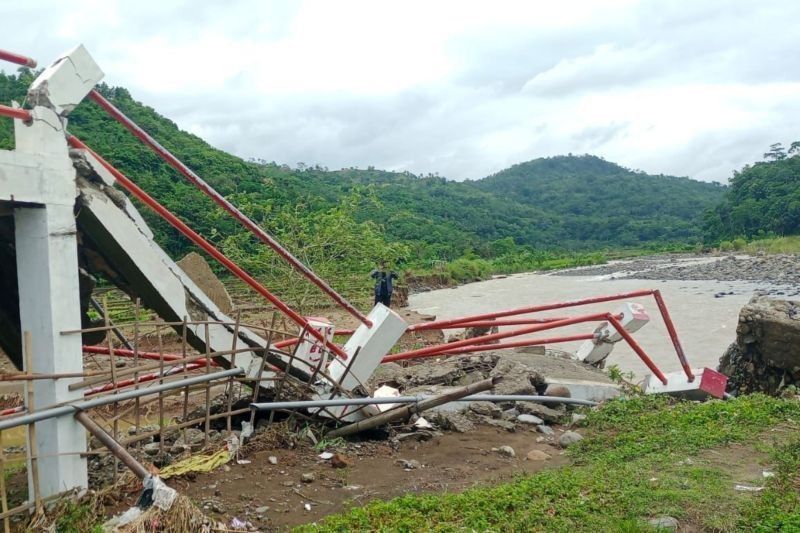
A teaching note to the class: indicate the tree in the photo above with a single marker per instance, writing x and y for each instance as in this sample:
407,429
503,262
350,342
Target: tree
776,152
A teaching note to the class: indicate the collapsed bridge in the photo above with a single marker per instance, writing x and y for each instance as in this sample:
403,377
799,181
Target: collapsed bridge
64,222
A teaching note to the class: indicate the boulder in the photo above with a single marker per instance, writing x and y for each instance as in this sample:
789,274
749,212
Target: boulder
766,354
198,271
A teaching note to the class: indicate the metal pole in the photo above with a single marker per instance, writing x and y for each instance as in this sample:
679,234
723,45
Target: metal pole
12,112
208,247
413,354
113,446
517,344
532,309
44,414
99,308
636,348
19,59
662,306
220,200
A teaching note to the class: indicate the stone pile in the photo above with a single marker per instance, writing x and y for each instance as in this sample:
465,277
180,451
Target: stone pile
766,354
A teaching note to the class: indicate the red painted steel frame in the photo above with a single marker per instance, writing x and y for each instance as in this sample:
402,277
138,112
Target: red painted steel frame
220,200
17,58
122,352
517,344
210,249
662,307
413,354
12,112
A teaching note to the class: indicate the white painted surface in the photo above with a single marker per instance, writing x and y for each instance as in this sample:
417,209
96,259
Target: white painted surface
66,82
47,270
634,317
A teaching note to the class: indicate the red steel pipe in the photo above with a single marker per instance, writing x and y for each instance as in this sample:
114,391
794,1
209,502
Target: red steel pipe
525,310
413,354
210,249
517,344
145,378
509,322
662,306
11,112
220,200
12,410
122,352
17,58
636,348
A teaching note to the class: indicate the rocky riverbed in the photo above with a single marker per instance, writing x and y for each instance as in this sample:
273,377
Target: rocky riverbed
780,274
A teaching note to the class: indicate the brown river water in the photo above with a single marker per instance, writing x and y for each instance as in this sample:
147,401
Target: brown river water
706,324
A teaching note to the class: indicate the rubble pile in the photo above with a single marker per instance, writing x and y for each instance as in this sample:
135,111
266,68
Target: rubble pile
766,354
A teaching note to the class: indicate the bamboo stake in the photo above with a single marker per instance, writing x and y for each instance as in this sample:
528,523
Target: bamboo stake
37,495
160,394
185,375
233,364
137,415
207,425
3,495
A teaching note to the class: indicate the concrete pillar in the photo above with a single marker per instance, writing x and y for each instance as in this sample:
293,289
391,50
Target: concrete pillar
47,267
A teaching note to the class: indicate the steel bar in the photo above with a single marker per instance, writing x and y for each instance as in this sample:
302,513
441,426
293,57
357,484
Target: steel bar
11,112
405,411
61,410
338,402
18,59
662,307
531,309
518,344
508,322
636,348
220,200
178,224
413,354
113,446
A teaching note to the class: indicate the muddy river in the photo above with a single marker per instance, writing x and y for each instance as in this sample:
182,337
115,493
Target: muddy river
704,318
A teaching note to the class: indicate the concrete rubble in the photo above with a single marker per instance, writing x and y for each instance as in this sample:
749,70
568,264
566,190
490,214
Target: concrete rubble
766,354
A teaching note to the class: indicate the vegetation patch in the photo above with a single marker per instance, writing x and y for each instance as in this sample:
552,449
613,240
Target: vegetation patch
640,461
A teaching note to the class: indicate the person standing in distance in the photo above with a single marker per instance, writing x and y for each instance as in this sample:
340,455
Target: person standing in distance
383,284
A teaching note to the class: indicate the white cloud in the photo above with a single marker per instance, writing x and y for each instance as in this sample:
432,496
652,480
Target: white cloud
459,88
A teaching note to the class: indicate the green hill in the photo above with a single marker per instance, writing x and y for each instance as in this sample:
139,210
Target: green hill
763,199
554,205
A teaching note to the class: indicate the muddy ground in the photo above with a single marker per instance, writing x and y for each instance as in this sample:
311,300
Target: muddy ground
301,488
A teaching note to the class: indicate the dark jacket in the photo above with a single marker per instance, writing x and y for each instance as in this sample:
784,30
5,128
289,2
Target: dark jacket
383,281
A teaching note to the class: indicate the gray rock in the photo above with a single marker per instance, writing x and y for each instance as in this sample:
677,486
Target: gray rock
508,451
568,438
152,449
530,419
517,378
576,418
308,477
272,460
409,464
502,424
510,414
486,409
664,523
453,421
263,509
549,415
545,430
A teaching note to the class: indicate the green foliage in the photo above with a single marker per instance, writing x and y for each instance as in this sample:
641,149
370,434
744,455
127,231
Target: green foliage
633,469
536,213
763,199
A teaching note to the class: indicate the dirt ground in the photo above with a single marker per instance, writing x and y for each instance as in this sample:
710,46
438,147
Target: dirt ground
450,462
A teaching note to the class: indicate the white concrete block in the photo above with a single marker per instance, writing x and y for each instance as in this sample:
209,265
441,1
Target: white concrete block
707,383
310,351
66,82
634,317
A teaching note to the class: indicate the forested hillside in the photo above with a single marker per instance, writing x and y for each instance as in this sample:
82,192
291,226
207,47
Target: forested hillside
345,219
763,199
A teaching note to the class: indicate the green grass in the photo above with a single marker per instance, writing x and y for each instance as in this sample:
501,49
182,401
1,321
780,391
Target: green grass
633,466
775,245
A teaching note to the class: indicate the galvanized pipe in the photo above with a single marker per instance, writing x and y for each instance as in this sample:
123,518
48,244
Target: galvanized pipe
69,409
113,446
338,402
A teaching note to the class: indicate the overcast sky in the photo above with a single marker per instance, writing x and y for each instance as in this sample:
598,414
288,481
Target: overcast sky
463,89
